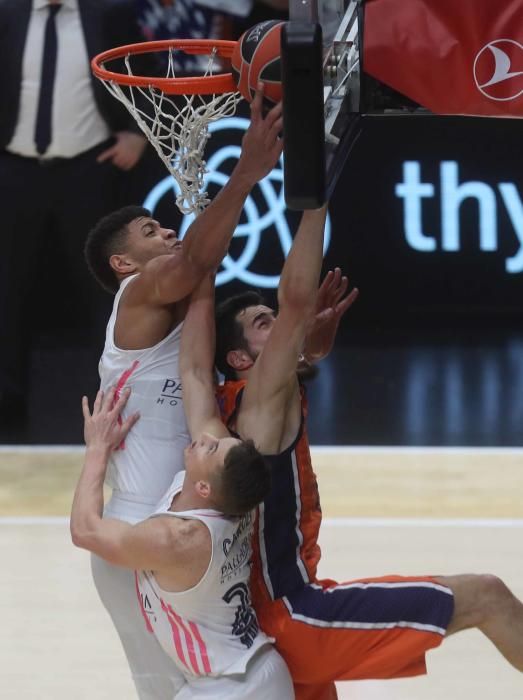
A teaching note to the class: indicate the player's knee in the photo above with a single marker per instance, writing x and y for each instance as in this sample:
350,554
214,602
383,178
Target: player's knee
493,593
477,598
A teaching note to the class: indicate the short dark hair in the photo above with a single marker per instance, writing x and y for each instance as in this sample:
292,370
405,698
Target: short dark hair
229,331
245,479
108,238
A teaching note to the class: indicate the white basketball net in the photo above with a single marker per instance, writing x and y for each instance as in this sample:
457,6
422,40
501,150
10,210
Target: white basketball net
177,127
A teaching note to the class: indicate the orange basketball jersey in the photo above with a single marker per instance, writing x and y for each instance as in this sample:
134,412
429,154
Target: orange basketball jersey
328,631
282,563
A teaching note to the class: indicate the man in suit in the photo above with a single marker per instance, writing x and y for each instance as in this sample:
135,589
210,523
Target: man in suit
65,145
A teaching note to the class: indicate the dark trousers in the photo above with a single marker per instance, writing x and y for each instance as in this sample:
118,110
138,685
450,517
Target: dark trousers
45,208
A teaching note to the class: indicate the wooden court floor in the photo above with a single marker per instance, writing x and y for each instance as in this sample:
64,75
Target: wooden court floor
407,511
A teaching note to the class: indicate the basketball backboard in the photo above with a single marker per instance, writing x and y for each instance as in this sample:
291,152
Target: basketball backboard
321,76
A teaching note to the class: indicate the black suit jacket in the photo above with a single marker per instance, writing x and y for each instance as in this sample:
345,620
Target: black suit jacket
106,24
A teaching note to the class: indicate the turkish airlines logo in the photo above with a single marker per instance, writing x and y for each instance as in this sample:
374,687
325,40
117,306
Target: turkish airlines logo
498,70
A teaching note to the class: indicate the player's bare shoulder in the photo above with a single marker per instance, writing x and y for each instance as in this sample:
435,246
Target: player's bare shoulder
187,551
187,538
141,322
142,289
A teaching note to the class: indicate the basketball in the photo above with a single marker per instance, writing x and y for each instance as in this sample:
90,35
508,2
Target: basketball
256,57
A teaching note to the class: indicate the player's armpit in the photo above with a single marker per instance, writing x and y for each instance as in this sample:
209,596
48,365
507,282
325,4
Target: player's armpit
272,425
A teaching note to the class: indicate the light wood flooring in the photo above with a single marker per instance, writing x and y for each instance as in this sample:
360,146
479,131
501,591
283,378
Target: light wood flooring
407,511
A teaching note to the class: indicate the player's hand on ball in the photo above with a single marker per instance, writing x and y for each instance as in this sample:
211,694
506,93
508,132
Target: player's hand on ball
261,144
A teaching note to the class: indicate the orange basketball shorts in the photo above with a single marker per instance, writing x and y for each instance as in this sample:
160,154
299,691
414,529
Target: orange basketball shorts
365,629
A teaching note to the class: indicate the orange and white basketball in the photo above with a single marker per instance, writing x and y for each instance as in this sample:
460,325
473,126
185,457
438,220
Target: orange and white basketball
256,58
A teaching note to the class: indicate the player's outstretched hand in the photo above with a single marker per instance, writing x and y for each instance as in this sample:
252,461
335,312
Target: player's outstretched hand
104,428
332,303
262,144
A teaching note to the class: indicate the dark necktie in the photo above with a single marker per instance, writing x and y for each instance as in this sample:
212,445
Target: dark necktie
45,98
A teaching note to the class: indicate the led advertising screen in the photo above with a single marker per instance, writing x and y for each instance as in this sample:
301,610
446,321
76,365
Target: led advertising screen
427,218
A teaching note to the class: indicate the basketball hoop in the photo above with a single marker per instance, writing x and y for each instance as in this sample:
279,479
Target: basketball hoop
174,112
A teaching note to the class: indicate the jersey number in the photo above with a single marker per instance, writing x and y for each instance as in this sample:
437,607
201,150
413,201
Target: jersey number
245,625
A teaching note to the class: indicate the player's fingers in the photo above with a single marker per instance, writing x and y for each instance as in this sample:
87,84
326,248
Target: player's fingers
349,300
277,149
327,278
325,284
330,282
98,401
336,276
85,408
323,295
123,398
129,422
256,104
341,289
274,115
275,131
110,399
330,292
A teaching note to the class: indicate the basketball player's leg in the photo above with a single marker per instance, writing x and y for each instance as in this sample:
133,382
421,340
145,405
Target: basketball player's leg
267,676
154,673
485,602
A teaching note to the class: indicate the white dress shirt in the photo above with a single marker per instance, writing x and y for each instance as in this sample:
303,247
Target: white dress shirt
76,123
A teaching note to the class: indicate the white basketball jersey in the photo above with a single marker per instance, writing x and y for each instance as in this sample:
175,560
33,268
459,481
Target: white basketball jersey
210,629
143,467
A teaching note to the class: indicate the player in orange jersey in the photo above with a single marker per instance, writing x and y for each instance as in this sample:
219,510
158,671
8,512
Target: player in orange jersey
327,631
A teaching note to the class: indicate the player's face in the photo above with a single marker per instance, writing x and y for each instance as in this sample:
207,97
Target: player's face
205,456
257,323
147,239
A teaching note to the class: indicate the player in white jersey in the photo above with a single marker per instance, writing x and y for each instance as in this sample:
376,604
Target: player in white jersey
211,630
152,274
193,555
154,376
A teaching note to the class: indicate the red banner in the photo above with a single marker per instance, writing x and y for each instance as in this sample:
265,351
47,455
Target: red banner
450,56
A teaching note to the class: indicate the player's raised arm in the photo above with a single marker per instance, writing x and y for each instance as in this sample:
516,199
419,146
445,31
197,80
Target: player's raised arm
197,363
205,244
275,369
151,544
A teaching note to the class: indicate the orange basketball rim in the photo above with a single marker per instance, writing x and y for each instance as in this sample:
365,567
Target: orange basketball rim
198,85
174,112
